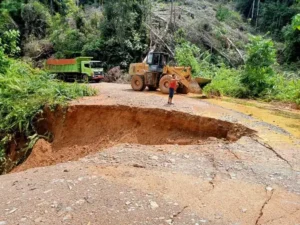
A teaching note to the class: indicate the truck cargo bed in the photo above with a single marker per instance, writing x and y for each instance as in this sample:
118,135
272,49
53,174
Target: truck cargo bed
65,65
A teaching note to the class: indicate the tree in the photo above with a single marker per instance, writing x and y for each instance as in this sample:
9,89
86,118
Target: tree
292,40
269,15
123,32
261,56
186,54
37,19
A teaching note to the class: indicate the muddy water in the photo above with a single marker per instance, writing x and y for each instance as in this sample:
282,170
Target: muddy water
286,119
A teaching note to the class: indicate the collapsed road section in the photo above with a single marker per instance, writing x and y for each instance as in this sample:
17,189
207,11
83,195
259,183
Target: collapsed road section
81,130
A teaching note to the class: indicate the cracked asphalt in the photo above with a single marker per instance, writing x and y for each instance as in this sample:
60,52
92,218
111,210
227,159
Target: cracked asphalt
255,180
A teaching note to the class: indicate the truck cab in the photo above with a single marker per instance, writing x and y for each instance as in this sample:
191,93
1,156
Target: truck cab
93,68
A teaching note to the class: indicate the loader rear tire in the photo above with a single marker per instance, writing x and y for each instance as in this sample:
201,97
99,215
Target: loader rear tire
183,90
164,84
138,83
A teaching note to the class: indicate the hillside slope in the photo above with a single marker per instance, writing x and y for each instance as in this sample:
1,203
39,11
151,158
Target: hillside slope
207,24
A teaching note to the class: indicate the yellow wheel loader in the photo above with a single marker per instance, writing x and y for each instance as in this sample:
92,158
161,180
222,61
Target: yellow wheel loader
154,73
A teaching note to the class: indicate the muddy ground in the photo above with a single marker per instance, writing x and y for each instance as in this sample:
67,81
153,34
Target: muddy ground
126,157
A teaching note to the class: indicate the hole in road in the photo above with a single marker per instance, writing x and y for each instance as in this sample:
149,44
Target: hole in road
86,129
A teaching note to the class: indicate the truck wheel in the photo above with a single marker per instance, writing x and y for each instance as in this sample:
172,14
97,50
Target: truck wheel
137,83
61,77
152,88
164,84
183,90
85,78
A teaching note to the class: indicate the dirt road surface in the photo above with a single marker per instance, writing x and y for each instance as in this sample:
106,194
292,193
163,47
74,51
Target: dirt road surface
126,157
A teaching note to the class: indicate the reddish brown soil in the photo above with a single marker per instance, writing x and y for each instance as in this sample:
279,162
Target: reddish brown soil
87,129
41,154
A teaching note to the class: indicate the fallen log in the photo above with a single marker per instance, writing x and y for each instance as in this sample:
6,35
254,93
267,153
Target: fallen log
234,46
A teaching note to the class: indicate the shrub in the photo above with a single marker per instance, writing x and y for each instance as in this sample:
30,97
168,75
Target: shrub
8,45
292,40
223,13
226,82
10,41
258,74
287,90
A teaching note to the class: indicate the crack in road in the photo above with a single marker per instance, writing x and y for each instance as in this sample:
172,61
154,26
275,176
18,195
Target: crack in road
231,152
213,161
177,214
261,213
212,181
266,145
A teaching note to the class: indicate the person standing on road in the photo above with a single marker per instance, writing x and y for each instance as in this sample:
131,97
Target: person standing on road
172,87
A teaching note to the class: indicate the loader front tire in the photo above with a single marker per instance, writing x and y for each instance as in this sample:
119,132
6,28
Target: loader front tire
138,83
164,84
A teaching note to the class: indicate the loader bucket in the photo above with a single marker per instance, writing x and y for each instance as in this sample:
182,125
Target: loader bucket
202,81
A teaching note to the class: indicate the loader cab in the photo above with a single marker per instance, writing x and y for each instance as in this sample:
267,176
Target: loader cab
157,61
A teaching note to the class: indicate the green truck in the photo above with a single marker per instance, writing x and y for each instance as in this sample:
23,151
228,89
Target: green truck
80,68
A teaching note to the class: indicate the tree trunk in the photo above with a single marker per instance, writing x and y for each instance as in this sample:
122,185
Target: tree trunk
51,6
253,7
172,9
257,13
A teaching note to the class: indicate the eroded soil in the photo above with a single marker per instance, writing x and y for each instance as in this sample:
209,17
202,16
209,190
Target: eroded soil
82,130
149,163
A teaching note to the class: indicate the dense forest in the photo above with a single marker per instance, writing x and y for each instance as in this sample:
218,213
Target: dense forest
111,31
115,31
250,48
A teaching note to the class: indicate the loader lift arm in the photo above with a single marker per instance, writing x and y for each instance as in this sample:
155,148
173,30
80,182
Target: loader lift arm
184,73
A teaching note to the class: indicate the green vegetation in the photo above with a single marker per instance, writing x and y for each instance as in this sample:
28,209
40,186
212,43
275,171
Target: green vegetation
113,33
186,55
226,82
286,90
254,79
223,13
275,17
24,93
257,78
258,74
261,76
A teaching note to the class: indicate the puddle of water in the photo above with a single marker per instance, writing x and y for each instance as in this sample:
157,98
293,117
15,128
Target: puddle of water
288,120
